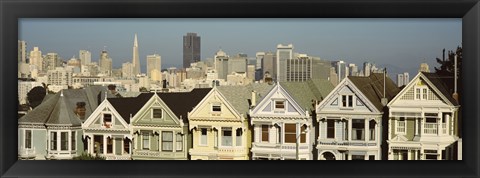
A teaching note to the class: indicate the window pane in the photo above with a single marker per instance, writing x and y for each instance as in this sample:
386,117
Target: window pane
358,129
344,100
73,140
126,146
226,136
157,113
28,139
350,101
179,141
330,128
265,133
98,144
64,141
146,140
290,133
239,134
109,145
216,108
167,141
303,135
203,137
279,104
53,141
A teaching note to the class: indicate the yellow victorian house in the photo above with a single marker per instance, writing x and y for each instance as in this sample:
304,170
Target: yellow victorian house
219,123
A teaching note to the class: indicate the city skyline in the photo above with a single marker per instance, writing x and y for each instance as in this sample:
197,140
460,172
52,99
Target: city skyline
402,43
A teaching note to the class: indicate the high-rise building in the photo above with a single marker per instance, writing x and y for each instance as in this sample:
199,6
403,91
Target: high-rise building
269,64
299,68
22,51
51,61
36,58
403,79
105,63
320,68
191,49
221,64
238,64
85,57
259,56
136,58
283,54
154,67
352,69
127,70
60,76
367,68
341,70
406,78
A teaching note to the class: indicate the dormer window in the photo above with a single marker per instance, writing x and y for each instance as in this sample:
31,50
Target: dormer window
157,113
347,101
216,108
107,120
279,105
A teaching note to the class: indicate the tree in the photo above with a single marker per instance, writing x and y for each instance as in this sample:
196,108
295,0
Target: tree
86,156
35,96
143,89
446,69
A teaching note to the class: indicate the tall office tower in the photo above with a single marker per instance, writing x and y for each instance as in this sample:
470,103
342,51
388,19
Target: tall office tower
352,69
367,68
341,70
154,67
299,68
85,57
320,68
127,70
406,78
221,64
283,54
269,65
424,67
36,58
238,64
105,63
259,56
22,51
191,49
52,61
136,58
400,80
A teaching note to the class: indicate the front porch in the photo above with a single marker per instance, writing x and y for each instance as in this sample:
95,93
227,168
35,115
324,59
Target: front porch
284,151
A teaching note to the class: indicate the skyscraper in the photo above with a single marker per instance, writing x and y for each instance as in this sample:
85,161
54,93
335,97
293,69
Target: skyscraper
22,51
154,67
221,64
136,59
341,70
127,70
191,49
36,58
269,65
105,63
85,57
52,61
299,68
283,54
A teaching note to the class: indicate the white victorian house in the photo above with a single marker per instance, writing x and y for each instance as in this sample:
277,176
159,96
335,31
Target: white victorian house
350,118
423,121
282,122
107,130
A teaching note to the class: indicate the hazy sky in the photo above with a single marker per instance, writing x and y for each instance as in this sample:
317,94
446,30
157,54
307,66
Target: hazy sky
401,43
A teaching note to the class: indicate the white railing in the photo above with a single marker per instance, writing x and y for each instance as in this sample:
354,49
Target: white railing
430,128
231,150
118,157
146,153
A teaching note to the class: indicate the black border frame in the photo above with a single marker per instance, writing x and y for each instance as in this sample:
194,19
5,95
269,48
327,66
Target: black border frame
11,10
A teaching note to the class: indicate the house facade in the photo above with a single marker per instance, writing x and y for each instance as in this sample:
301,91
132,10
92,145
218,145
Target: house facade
282,122
422,123
220,125
350,118
107,130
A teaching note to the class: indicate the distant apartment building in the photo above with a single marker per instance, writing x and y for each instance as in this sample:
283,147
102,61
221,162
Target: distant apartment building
284,52
127,70
51,61
367,68
221,64
105,63
22,51
24,87
403,79
60,77
85,57
191,49
299,68
36,58
269,64
237,63
320,68
154,67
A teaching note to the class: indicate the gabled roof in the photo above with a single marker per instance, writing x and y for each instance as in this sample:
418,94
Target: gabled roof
240,96
304,92
372,88
180,103
59,110
440,85
127,106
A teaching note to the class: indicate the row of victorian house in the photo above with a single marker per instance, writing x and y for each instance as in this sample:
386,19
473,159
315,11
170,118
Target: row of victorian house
362,118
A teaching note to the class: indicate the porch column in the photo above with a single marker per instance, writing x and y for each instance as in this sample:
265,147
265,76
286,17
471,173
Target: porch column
416,126
349,130
104,144
234,136
439,126
447,124
409,153
367,129
69,142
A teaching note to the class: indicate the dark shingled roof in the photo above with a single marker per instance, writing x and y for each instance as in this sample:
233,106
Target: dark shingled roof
372,88
304,92
440,85
183,102
127,106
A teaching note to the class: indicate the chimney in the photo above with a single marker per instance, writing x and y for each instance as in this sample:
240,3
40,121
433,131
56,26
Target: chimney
80,109
254,98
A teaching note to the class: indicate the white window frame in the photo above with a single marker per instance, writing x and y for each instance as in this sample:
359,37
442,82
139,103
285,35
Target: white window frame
422,93
111,117
279,109
143,140
397,126
216,105
173,141
347,101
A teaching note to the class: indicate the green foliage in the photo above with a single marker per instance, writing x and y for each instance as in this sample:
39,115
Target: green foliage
143,89
35,96
87,156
